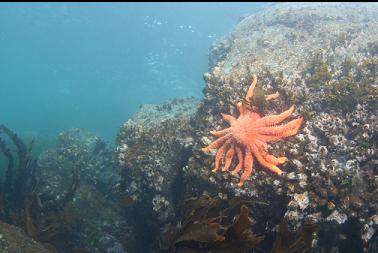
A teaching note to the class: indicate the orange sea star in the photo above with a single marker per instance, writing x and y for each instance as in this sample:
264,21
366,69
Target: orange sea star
248,135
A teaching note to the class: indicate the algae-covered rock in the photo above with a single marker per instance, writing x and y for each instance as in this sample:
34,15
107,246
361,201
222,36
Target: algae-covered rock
152,148
322,58
13,239
94,216
152,145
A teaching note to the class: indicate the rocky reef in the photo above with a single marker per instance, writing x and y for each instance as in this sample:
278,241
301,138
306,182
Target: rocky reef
68,199
96,210
151,146
320,57
323,59
87,196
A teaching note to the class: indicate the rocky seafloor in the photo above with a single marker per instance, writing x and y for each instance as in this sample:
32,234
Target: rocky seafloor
323,58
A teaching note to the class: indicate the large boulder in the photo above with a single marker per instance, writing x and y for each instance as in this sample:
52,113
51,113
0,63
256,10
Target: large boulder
152,147
324,59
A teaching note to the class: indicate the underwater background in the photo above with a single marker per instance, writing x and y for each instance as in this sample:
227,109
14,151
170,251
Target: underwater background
91,65
189,127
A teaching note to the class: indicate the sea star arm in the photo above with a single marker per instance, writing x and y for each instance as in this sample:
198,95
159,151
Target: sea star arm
263,162
274,130
288,131
238,167
241,108
215,144
248,162
228,159
249,95
275,160
218,157
270,158
261,143
221,133
272,96
228,118
273,119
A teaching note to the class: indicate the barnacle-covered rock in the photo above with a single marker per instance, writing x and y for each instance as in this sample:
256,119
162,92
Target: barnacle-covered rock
152,144
321,57
152,147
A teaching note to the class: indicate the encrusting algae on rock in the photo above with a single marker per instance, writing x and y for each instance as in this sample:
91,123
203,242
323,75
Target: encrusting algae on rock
248,136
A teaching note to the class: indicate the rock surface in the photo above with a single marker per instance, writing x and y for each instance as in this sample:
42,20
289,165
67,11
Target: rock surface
152,146
95,212
321,57
13,239
324,59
